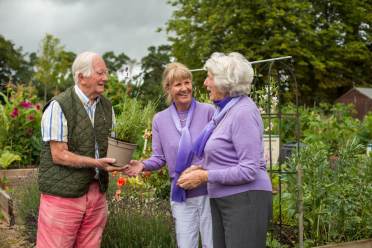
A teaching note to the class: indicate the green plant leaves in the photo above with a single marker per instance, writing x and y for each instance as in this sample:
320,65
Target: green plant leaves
7,158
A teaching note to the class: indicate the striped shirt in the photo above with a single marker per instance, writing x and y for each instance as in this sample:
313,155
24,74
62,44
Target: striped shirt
54,123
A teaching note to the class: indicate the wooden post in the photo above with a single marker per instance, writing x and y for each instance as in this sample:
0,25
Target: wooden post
6,207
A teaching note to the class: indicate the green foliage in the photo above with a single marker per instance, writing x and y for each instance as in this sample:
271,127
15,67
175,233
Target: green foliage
27,202
336,192
115,62
365,131
53,67
133,119
153,65
160,182
7,158
13,65
329,40
20,118
138,219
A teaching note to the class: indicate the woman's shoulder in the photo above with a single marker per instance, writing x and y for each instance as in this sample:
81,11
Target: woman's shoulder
161,115
205,106
246,105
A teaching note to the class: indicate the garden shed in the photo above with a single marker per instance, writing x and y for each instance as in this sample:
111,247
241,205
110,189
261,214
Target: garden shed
361,98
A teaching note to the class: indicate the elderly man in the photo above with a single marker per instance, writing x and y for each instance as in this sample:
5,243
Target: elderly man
73,168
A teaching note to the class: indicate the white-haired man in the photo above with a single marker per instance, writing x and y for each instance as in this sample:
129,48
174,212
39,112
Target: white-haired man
73,171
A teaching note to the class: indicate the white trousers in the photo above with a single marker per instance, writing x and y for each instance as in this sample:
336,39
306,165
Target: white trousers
191,217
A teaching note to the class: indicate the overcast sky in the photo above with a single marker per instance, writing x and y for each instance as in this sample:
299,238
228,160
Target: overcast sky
127,26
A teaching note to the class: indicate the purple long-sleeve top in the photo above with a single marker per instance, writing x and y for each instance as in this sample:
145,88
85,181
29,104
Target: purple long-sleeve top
165,139
234,155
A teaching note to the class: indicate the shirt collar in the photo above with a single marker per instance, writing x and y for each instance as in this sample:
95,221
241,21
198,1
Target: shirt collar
84,99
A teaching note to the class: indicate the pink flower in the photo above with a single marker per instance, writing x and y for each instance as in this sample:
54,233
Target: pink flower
26,104
14,113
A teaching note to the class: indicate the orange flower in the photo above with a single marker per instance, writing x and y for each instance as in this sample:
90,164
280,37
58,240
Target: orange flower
146,174
114,173
121,181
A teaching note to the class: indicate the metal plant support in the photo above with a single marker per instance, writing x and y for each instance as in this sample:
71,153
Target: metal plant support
266,72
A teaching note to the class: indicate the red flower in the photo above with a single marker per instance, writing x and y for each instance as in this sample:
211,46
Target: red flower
14,113
38,106
121,181
30,117
26,104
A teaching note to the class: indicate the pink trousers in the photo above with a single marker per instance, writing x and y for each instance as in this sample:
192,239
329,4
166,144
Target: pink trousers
72,222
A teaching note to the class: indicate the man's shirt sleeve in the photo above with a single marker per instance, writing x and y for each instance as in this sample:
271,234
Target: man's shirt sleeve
54,124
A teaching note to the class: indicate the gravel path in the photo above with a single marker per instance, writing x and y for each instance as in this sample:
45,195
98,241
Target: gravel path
12,237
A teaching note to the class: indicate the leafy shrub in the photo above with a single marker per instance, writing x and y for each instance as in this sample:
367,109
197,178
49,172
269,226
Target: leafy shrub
20,123
336,189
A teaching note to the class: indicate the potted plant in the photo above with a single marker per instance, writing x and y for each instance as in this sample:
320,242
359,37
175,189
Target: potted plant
131,122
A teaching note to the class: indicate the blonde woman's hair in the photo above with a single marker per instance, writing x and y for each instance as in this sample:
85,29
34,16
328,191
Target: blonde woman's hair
174,72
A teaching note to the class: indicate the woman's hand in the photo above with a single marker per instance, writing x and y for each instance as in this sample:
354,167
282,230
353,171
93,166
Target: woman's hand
193,178
133,168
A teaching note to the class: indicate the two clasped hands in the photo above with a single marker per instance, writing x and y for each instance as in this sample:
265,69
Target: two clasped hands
191,178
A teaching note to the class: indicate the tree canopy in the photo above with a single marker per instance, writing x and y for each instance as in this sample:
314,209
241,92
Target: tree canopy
153,66
330,40
13,65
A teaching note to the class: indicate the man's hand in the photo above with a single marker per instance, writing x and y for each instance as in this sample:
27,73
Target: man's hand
193,179
106,164
133,168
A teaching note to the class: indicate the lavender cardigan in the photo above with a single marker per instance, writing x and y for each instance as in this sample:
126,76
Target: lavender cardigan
165,139
234,154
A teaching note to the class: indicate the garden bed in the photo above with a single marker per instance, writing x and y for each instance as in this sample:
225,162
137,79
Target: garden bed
14,177
355,244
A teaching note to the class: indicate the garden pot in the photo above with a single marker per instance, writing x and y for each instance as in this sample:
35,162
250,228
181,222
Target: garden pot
121,151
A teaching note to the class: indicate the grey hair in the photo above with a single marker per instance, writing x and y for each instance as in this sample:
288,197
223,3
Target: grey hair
232,73
83,64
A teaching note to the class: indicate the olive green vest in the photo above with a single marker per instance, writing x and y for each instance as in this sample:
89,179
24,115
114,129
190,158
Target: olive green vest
67,181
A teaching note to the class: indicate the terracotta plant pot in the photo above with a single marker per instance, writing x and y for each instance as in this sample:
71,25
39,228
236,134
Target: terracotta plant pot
120,150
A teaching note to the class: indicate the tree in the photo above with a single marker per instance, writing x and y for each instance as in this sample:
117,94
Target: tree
13,66
53,66
330,40
115,62
152,66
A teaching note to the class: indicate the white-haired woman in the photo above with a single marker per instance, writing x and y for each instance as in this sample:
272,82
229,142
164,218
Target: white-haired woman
174,130
239,188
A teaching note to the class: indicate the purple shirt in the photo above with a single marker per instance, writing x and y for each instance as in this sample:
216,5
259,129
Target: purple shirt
165,139
234,155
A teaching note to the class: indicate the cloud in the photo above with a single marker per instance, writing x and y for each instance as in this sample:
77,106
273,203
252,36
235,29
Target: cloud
101,26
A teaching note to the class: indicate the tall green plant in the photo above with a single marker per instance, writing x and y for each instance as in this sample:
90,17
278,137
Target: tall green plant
133,119
336,192
138,220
